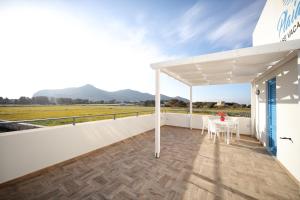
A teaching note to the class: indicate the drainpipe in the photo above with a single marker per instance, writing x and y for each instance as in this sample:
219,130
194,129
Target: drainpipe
253,109
157,113
191,106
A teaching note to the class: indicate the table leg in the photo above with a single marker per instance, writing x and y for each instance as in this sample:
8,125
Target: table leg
227,136
238,132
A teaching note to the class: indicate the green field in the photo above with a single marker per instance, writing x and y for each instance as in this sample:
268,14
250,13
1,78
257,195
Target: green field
15,113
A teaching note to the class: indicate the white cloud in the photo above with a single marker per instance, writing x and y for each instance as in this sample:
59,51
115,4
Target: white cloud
201,23
187,27
192,23
238,28
42,48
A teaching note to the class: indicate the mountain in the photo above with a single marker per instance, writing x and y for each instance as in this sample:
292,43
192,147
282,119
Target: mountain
94,94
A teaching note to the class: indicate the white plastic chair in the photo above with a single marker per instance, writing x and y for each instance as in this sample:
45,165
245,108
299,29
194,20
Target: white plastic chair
235,128
205,120
204,124
213,129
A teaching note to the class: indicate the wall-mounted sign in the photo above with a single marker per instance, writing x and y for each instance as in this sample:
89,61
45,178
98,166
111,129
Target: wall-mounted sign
289,20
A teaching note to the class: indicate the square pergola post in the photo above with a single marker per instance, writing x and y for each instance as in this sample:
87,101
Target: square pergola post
191,106
157,113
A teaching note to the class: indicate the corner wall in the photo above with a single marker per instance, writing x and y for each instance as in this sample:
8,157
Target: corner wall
288,109
27,151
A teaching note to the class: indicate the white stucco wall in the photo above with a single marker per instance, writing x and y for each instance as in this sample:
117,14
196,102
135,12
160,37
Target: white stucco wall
183,120
288,109
272,25
23,152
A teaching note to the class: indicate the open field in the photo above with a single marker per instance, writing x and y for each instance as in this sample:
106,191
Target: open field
15,113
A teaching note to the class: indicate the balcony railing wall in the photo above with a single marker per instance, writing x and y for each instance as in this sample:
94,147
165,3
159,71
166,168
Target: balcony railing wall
27,151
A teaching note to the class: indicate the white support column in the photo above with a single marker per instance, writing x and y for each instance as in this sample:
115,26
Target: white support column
256,116
191,106
253,109
157,113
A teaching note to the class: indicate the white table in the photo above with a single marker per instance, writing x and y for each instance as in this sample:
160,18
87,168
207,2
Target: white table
227,124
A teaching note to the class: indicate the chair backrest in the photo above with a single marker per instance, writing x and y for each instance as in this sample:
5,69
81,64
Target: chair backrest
235,122
205,121
212,126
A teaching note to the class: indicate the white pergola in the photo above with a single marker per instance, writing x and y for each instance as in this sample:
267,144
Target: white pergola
235,66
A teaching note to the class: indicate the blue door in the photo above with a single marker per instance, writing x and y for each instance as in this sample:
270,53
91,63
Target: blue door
271,116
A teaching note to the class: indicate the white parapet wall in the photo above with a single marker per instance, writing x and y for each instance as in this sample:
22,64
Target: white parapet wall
183,120
27,151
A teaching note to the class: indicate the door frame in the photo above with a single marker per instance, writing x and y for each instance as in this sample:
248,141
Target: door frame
271,117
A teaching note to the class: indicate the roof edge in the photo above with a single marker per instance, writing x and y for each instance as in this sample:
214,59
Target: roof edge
235,53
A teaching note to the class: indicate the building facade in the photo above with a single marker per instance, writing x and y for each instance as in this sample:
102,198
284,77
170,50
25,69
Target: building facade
275,95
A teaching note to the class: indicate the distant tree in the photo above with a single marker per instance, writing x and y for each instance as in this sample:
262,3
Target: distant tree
113,101
1,100
6,101
230,104
149,103
24,100
42,100
210,104
80,101
97,102
171,103
198,104
236,105
175,103
52,100
64,101
182,104
163,101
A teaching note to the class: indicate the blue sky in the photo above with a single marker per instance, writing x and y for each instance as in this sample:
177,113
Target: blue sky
110,44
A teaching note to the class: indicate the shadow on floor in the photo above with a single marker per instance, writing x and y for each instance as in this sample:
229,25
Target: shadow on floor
191,166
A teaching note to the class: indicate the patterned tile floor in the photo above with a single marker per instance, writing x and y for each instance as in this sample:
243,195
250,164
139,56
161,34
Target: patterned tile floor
191,166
